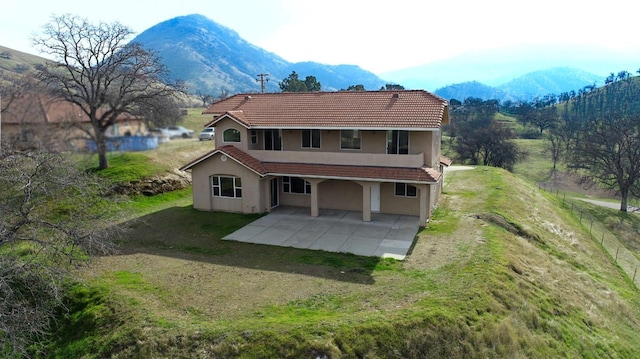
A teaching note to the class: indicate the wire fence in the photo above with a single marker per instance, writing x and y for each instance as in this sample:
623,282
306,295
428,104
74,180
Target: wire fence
623,256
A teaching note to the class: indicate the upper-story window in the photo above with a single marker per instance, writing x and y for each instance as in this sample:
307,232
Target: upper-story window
350,139
272,140
397,142
231,135
310,138
254,137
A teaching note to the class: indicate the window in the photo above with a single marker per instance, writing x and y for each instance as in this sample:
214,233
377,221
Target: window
226,186
310,138
254,137
272,140
231,135
295,185
350,139
406,190
397,142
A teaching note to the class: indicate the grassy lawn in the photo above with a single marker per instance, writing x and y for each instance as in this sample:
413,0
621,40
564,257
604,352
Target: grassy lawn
502,271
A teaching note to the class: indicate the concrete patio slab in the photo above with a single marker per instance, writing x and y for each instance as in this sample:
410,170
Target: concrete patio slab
387,235
330,242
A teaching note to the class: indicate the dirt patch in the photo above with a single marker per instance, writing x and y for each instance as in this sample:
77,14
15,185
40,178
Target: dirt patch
508,225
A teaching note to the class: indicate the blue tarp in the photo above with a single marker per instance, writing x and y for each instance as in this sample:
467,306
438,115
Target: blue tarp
127,143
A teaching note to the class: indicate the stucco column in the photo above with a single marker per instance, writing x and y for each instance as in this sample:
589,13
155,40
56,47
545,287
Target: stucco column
366,201
425,208
315,208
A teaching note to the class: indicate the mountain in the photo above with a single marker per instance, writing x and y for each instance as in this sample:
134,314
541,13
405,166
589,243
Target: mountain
526,87
470,89
498,66
552,81
211,58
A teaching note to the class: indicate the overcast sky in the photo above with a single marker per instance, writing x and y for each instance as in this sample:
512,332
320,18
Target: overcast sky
378,36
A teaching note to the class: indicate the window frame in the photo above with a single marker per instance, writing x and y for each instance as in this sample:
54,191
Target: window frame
394,141
288,185
311,135
355,134
224,135
269,140
406,191
217,188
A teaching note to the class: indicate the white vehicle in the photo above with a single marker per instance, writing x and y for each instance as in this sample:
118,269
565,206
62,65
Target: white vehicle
178,131
207,134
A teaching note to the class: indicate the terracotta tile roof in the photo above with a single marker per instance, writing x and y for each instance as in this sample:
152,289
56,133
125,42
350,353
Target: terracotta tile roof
399,174
415,109
43,109
231,151
445,161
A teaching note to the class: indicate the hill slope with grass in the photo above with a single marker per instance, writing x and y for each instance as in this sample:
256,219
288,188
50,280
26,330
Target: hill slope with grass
503,270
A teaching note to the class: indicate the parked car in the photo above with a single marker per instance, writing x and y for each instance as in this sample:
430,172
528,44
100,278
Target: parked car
178,131
207,134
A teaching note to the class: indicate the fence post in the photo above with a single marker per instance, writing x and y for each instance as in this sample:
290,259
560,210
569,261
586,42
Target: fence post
602,241
634,275
617,249
590,228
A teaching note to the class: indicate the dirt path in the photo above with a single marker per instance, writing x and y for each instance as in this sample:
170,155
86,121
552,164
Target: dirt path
613,205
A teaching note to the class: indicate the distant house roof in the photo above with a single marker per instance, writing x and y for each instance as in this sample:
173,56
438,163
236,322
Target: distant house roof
445,161
415,110
393,174
34,109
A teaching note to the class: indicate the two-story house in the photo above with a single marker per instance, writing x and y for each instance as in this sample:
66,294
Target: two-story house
368,151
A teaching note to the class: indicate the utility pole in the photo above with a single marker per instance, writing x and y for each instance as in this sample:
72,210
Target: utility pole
262,79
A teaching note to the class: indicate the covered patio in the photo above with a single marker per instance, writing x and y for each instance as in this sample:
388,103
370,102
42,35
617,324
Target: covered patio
385,235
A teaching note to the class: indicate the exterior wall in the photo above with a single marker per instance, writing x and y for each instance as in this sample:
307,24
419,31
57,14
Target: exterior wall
127,127
390,203
371,141
226,124
253,198
294,199
344,195
49,136
434,196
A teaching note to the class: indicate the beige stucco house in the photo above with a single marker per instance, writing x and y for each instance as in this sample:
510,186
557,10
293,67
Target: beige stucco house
38,120
368,151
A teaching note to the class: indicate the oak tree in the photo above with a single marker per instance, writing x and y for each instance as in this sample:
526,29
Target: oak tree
96,68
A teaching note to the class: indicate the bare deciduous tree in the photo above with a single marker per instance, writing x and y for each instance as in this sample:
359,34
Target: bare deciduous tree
96,69
52,218
607,151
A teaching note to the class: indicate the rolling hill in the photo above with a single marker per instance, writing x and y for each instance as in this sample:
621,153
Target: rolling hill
497,66
526,87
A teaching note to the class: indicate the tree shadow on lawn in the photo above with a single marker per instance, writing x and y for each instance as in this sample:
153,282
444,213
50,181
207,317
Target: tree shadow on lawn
186,233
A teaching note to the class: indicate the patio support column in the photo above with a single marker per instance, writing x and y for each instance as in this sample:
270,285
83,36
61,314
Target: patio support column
425,208
366,201
315,208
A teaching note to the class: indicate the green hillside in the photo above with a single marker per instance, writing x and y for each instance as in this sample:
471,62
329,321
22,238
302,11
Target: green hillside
16,61
503,270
